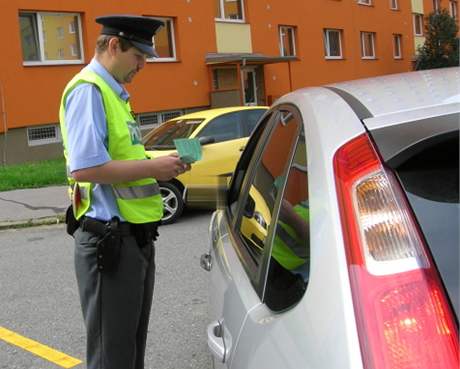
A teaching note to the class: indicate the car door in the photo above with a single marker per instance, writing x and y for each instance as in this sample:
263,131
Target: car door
273,332
219,158
240,234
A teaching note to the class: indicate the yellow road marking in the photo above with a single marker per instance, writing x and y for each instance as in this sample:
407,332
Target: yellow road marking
56,357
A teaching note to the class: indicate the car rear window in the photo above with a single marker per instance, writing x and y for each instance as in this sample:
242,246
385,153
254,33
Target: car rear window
431,181
163,137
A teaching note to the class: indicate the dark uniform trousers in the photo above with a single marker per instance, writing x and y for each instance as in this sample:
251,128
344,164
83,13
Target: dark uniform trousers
116,305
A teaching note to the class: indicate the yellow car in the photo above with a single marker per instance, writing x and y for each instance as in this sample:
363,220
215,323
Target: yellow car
223,133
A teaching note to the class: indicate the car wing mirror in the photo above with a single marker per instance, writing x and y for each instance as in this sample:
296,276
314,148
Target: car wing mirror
206,140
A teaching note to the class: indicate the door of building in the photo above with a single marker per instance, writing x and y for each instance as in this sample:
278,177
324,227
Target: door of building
249,81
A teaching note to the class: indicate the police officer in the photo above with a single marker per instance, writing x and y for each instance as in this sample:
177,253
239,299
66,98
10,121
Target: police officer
115,196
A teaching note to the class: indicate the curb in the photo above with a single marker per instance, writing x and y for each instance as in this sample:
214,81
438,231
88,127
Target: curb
57,219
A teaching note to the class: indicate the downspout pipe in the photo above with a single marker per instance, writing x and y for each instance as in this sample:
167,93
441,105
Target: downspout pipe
5,124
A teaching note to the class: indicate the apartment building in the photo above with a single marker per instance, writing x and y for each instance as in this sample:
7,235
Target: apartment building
212,53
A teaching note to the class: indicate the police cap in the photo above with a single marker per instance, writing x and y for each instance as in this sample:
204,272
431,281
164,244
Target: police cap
138,30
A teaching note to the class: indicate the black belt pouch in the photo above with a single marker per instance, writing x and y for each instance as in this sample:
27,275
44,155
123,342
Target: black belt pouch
71,222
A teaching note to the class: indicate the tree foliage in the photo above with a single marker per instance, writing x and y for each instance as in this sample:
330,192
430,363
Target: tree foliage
441,47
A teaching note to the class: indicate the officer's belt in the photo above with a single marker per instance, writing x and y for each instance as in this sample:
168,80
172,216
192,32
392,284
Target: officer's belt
101,227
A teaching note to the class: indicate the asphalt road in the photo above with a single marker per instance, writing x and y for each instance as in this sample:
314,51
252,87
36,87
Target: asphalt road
39,300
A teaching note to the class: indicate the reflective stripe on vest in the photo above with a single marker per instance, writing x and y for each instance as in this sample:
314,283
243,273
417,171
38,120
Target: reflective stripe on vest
298,248
138,192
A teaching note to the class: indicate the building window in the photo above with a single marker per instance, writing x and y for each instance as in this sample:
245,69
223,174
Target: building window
229,10
397,46
43,135
72,27
287,41
60,33
453,9
73,50
43,40
164,42
394,4
418,24
436,6
368,45
365,2
333,43
225,79
150,120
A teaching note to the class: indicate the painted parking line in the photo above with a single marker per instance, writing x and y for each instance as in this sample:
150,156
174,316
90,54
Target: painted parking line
47,353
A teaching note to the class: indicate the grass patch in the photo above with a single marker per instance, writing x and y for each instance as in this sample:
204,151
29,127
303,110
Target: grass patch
33,175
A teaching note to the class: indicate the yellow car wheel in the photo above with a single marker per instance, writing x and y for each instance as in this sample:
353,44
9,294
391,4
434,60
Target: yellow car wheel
173,202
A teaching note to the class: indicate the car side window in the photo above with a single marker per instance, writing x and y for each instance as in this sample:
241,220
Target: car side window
289,264
257,200
224,128
249,119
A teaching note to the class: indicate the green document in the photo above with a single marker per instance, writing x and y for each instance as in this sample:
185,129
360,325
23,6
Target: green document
189,149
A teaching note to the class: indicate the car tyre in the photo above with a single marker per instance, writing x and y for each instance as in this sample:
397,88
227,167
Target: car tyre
172,202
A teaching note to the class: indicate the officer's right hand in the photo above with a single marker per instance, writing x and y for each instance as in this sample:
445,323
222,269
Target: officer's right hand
167,167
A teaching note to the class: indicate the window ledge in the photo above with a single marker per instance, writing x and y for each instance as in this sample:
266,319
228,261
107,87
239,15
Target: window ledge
163,60
369,58
224,20
334,58
55,63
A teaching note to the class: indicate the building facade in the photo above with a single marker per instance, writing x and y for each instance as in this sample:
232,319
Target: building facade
212,53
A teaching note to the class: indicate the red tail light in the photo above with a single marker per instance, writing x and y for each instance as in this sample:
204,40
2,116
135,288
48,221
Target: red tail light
403,317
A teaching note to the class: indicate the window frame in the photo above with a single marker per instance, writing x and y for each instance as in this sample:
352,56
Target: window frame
365,2
40,39
230,20
394,4
397,46
418,21
327,50
171,22
281,29
363,49
276,212
257,274
436,6
239,188
453,9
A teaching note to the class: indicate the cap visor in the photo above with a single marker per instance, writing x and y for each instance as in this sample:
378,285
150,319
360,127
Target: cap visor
146,49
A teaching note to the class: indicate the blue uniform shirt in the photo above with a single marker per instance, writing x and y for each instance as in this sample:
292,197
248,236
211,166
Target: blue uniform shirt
87,142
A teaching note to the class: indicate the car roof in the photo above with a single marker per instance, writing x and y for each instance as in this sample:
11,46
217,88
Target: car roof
403,110
394,93
211,113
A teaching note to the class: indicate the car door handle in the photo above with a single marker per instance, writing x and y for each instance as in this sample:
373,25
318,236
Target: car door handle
216,342
242,148
206,262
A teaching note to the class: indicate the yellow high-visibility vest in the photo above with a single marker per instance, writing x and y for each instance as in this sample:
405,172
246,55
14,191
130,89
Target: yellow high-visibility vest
138,201
289,250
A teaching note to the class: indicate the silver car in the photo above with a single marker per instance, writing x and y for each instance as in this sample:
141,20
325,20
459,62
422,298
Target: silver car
336,245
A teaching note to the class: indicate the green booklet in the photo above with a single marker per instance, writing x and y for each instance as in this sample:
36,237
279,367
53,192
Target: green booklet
189,149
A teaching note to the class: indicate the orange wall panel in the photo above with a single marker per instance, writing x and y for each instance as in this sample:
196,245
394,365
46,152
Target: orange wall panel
32,93
310,18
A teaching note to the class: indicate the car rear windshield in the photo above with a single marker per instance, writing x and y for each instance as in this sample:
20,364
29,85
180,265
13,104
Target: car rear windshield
431,181
163,137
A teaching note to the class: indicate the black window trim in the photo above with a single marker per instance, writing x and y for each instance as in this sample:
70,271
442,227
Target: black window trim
265,261
255,146
258,274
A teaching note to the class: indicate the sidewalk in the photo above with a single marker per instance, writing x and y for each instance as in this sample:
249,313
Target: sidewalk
21,208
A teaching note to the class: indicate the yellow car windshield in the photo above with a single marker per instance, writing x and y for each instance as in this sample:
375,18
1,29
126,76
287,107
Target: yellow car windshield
163,137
